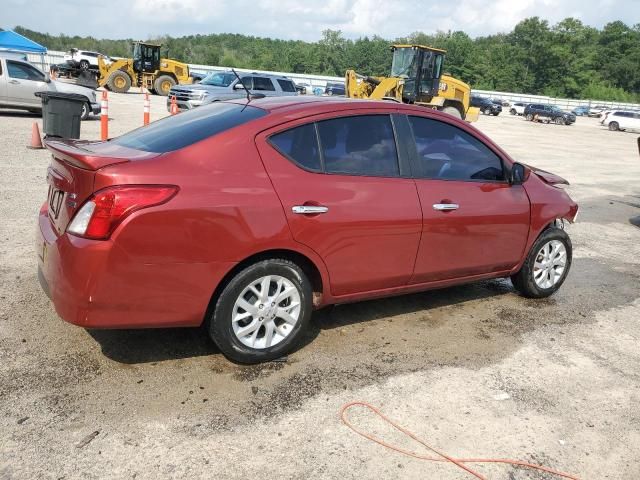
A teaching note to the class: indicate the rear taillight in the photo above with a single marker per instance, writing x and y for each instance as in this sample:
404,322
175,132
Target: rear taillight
106,209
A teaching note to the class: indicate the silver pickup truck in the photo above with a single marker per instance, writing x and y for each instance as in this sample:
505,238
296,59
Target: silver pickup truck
219,86
19,81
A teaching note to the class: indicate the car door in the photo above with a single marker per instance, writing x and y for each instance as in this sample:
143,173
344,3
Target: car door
23,81
474,222
342,189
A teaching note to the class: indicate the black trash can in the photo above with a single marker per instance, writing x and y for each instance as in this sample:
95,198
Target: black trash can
61,113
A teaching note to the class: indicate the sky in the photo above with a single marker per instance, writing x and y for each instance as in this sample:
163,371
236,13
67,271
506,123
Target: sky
299,19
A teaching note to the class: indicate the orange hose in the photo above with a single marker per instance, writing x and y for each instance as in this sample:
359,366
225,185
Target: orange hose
459,462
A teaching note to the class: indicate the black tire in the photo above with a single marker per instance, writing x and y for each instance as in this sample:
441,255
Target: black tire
86,111
84,65
487,111
528,117
495,114
119,82
559,121
524,281
513,111
163,84
220,326
614,126
453,111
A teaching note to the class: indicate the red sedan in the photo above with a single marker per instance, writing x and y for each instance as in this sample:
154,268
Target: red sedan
248,216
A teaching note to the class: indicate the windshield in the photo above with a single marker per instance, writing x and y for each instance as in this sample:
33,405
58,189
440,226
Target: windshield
403,59
218,79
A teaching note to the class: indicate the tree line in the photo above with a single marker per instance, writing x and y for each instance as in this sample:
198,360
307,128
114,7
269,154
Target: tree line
568,59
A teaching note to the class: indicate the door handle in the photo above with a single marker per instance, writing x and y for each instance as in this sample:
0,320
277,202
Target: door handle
445,206
309,209
15,82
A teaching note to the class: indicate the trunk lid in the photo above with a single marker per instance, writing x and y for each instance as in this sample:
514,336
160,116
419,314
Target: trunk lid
71,174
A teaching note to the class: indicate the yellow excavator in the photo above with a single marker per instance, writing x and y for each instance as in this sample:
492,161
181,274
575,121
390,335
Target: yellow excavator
416,77
145,69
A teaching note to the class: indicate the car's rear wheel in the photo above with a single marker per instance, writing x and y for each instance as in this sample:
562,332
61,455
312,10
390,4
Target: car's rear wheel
512,111
528,117
559,121
487,111
613,126
86,111
547,265
263,312
84,65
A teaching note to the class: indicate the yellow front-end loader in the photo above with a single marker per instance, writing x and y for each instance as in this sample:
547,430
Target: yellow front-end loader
145,69
416,77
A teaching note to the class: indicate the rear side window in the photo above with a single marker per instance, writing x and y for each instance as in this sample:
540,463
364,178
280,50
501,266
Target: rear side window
178,131
300,144
358,145
262,83
286,85
361,145
449,153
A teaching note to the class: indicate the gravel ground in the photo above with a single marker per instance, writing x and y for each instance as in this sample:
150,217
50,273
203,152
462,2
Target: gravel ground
475,370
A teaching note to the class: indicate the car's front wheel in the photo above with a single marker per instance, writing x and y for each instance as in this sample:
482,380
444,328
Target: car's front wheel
614,126
263,312
487,111
528,117
546,266
86,111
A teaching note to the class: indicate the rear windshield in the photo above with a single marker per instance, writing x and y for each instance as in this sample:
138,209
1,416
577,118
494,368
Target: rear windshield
186,128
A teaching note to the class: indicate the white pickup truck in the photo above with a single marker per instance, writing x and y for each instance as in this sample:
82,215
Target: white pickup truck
19,81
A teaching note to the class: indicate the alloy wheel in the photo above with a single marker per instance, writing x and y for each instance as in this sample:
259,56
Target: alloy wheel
550,264
266,311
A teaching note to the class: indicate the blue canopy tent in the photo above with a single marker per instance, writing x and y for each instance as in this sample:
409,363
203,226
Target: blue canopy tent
14,42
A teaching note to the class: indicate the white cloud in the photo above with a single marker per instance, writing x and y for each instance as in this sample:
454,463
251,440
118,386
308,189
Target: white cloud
300,19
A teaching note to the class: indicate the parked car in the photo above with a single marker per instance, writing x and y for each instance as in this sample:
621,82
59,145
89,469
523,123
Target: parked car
501,102
219,86
84,59
548,113
304,88
597,110
19,81
485,105
518,108
621,120
581,111
334,88
244,216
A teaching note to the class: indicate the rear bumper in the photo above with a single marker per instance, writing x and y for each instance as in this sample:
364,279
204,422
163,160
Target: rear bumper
96,284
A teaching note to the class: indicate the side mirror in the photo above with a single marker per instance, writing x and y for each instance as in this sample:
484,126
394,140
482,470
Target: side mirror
518,174
238,86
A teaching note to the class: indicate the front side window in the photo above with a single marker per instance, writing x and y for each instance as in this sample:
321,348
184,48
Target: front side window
262,83
23,71
362,145
449,153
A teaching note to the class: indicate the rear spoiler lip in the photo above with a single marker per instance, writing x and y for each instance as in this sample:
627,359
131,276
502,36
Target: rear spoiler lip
71,151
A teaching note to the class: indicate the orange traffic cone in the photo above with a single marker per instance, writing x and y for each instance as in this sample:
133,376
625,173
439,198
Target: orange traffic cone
36,140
